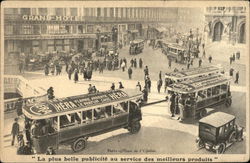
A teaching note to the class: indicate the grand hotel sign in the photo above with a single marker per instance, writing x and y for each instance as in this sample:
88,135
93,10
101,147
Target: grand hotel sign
51,18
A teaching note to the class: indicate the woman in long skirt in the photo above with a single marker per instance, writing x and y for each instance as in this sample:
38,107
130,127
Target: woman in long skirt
76,75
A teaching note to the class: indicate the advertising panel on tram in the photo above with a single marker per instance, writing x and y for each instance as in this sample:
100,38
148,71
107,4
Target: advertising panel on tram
190,98
72,120
178,76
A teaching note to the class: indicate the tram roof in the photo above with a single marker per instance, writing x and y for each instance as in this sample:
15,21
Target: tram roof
198,83
193,72
217,119
176,46
67,105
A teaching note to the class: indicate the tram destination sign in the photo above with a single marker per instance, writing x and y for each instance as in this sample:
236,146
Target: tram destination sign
75,102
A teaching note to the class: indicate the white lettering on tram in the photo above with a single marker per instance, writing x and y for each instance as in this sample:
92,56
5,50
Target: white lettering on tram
117,95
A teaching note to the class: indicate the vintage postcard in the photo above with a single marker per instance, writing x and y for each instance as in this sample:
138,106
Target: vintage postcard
124,81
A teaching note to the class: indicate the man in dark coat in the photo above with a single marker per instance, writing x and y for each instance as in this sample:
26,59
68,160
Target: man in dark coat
70,71
146,71
159,84
112,86
19,106
231,72
50,93
139,86
27,127
140,63
172,104
160,75
120,85
132,62
135,63
210,59
130,71
145,94
237,77
200,61
15,131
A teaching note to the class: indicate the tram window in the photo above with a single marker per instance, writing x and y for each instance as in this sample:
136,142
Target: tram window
124,105
118,109
215,90
86,116
209,92
201,95
103,112
224,88
75,118
64,121
54,123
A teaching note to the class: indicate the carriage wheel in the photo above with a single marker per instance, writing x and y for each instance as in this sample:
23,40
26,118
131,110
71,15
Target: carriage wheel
79,144
135,127
232,137
228,102
221,148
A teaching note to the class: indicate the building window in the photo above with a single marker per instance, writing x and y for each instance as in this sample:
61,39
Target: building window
105,12
90,44
42,11
111,12
8,30
26,29
11,11
80,29
98,12
37,29
25,11
90,29
73,11
116,12
59,11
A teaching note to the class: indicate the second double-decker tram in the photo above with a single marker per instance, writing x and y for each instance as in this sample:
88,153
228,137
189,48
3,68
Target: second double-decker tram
72,120
179,76
190,98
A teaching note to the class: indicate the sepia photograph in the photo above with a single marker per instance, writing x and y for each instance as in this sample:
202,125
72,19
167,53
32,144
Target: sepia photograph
124,81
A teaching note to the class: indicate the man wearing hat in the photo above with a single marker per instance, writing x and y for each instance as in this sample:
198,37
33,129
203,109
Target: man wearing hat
18,106
14,131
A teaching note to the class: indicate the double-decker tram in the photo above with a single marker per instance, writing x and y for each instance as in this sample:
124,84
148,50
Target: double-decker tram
175,77
191,97
72,120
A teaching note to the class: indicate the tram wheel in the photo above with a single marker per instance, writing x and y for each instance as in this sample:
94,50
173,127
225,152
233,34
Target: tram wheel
135,127
232,137
228,102
221,148
203,113
78,145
